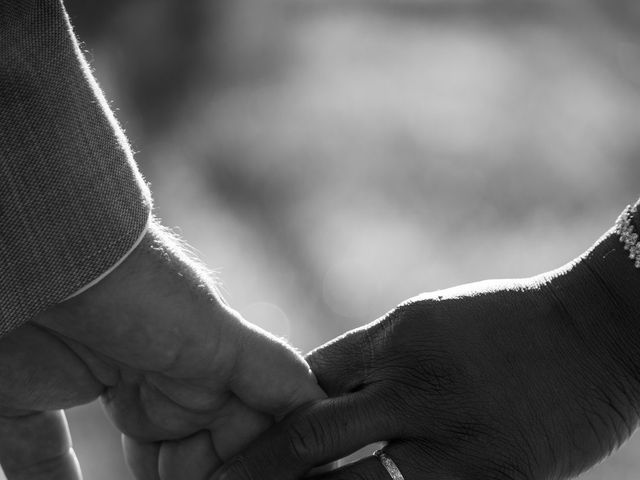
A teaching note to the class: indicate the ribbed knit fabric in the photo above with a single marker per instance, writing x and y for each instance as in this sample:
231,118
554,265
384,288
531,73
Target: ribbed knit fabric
72,202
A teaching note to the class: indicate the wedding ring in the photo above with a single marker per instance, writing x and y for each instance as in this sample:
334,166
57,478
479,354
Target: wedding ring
389,465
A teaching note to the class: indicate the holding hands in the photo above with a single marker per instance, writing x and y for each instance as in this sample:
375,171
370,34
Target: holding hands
508,380
518,379
185,379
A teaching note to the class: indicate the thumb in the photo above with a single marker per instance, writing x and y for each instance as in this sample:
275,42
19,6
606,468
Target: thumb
269,375
340,366
314,435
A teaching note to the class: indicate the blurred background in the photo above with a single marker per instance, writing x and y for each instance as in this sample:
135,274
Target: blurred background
331,158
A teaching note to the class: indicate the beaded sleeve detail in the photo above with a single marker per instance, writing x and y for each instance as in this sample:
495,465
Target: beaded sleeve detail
628,235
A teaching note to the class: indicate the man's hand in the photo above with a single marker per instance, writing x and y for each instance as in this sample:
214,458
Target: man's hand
180,373
504,380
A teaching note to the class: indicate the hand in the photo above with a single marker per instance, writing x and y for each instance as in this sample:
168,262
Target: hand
520,379
180,373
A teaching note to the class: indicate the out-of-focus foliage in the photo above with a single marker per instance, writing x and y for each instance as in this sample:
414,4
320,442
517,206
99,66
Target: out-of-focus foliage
332,158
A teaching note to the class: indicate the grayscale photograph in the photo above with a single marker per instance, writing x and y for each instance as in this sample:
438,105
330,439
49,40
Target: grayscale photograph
319,239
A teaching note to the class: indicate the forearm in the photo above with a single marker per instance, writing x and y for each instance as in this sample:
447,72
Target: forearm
72,202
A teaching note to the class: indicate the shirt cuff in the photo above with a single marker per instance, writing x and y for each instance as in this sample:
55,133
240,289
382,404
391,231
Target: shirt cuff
115,265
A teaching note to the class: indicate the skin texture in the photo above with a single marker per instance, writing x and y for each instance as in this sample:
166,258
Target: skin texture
500,380
179,372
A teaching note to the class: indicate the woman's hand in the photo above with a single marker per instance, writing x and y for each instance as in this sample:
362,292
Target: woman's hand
181,374
528,379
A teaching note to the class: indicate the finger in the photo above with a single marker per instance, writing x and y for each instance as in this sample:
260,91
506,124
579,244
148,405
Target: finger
269,375
415,461
340,365
236,426
313,435
38,447
142,458
141,410
412,460
190,458
200,455
39,372
369,468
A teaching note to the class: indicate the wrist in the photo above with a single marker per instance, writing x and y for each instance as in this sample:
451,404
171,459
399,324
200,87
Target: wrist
595,308
600,292
148,309
615,274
